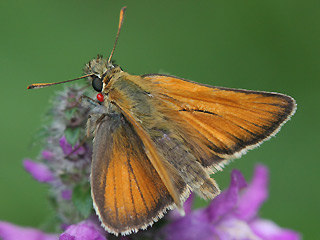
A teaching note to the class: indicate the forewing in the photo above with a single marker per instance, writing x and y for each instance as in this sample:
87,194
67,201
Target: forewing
197,128
232,120
128,193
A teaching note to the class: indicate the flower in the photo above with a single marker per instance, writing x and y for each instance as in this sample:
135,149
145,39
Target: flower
39,171
232,215
66,194
9,231
64,164
85,230
47,155
67,147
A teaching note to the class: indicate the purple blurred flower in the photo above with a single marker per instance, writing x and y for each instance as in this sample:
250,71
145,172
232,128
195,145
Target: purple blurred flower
9,231
66,194
267,229
232,215
67,147
39,171
47,155
85,230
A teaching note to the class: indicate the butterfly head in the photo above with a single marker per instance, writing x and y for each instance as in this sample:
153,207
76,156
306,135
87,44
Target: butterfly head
100,72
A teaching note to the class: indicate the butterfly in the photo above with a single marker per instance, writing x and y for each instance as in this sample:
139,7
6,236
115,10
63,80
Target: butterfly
157,138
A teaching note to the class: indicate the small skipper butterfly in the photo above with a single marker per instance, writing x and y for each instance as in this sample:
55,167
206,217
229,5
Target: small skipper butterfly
159,137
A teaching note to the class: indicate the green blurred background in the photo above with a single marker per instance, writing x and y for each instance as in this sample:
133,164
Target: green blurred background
260,45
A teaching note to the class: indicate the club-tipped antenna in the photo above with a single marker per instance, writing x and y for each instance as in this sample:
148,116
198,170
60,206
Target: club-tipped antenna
122,11
42,85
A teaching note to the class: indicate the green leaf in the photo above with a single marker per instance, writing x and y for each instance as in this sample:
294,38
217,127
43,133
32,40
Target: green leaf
69,113
81,198
66,178
72,135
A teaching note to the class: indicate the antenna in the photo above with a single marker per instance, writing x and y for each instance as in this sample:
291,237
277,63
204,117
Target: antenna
122,11
42,85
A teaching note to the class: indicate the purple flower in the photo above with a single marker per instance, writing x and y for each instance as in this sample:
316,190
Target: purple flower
269,230
47,155
9,231
39,171
85,230
66,194
67,147
232,215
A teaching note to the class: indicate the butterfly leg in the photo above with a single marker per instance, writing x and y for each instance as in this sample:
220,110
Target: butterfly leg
89,101
83,141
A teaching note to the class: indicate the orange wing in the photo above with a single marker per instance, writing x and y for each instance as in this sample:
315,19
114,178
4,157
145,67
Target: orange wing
190,128
178,149
127,191
232,120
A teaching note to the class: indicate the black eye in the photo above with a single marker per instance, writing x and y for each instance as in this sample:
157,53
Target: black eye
97,84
